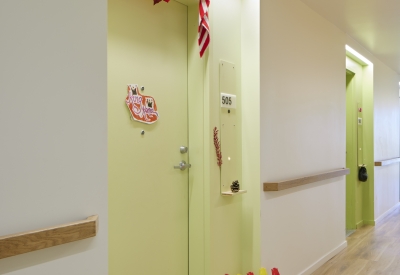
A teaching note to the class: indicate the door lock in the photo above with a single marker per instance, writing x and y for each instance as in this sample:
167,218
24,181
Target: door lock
183,165
183,149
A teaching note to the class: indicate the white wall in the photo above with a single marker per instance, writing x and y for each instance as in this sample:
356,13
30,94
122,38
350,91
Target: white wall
303,112
53,120
386,131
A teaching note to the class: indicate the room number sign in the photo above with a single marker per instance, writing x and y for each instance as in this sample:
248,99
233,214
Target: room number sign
228,101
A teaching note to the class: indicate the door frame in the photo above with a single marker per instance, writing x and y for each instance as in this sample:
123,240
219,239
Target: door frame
197,154
350,154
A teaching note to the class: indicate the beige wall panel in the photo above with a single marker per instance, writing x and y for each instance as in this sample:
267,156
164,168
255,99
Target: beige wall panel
53,120
302,132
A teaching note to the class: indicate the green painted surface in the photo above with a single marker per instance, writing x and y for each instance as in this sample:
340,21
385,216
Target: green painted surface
351,152
197,109
368,141
359,144
148,198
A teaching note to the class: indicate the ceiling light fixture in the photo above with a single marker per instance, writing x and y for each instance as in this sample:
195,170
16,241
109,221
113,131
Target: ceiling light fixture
353,53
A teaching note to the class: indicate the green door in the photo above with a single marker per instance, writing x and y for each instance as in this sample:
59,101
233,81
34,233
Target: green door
148,198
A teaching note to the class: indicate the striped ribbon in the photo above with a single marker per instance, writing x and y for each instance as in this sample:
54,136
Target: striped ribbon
204,28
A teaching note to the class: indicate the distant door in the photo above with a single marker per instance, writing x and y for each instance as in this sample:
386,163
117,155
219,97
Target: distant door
148,198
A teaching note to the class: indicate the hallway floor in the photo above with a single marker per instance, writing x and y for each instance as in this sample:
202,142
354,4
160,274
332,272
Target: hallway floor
370,250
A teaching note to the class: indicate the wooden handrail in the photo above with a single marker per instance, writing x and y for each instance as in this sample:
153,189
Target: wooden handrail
282,185
387,162
15,244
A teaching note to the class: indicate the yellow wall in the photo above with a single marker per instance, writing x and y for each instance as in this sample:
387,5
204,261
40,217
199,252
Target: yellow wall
225,212
251,246
226,240
197,111
234,222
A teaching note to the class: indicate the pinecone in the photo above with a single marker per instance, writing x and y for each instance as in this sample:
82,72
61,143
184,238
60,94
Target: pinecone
235,187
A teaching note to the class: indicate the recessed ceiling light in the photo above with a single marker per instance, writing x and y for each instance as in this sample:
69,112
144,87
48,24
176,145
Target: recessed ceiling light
358,55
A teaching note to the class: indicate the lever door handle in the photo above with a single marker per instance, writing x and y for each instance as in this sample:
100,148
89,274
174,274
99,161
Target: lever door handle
183,165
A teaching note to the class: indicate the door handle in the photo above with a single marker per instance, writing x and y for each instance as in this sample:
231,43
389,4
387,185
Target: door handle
183,165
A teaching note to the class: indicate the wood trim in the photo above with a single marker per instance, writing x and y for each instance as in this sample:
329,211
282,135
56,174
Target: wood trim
282,185
15,244
387,162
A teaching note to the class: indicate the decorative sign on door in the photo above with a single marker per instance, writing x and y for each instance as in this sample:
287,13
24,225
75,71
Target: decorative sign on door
142,108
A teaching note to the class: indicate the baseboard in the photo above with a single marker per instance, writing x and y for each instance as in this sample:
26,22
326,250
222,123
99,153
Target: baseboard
387,212
360,224
324,259
369,223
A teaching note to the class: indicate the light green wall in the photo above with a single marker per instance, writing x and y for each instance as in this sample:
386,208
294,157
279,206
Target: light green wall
225,212
386,132
234,238
197,189
359,197
251,247
368,142
351,151
354,144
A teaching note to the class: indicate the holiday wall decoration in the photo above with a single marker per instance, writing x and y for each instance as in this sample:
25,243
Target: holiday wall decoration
142,108
158,1
217,145
275,271
204,28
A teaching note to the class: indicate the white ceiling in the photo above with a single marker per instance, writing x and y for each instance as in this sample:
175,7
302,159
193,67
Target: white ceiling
375,24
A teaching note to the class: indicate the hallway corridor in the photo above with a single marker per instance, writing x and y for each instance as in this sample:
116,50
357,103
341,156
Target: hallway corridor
370,250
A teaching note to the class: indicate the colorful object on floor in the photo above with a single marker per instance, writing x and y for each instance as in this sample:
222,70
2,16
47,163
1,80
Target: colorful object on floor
217,145
263,271
204,28
142,108
158,1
